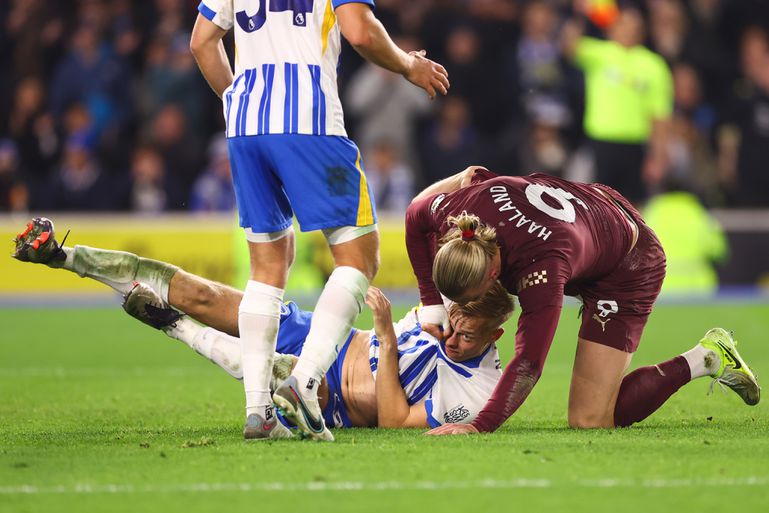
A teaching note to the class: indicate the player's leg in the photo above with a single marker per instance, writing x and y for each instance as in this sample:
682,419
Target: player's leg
601,397
340,204
211,303
117,269
645,389
266,216
595,384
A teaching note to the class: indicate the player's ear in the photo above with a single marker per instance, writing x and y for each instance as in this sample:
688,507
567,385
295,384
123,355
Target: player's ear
497,334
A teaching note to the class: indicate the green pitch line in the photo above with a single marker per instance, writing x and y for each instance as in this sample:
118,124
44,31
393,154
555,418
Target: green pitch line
100,413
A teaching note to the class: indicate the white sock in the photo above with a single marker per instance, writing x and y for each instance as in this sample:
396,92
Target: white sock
258,320
220,348
702,361
337,308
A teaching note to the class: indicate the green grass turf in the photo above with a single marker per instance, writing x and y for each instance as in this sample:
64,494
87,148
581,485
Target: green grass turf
99,413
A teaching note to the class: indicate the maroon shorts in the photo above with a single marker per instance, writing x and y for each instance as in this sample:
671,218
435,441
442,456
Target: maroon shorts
617,305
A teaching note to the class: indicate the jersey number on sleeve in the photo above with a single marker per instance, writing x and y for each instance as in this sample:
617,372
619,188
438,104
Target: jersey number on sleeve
300,8
564,212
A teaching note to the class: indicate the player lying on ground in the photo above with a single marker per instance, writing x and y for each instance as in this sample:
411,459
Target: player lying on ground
393,376
542,237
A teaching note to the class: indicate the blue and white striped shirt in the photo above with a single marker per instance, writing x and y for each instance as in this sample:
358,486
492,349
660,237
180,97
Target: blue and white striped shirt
285,65
452,391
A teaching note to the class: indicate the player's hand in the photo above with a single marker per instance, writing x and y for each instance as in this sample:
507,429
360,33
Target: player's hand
468,174
380,307
438,331
429,75
453,429
434,320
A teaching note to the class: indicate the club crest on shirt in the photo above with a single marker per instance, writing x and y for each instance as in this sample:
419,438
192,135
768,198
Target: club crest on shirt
456,414
530,279
436,203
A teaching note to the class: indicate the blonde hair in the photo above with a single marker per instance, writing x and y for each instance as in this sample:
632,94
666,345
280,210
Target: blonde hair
463,257
495,307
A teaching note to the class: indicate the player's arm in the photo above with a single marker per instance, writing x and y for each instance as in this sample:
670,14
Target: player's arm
208,49
421,230
541,302
370,39
536,330
393,409
540,295
421,234
467,176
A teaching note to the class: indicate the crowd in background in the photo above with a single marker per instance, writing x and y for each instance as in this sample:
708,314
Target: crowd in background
104,108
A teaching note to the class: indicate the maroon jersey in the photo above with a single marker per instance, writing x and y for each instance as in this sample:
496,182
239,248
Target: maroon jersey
554,235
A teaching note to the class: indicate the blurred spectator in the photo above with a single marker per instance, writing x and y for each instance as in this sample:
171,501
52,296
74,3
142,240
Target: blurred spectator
689,100
13,193
79,183
667,28
120,70
628,104
538,68
171,77
179,148
692,161
478,79
36,28
390,180
387,107
545,150
152,190
213,191
744,137
706,49
451,143
33,130
692,238
92,75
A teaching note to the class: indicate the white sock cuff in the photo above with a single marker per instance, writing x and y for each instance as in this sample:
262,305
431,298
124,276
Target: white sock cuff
261,299
351,280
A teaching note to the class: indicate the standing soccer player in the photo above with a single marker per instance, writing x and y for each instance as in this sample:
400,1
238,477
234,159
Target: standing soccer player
289,152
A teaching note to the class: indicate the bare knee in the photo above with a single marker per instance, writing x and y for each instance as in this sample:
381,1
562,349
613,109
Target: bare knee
589,420
361,253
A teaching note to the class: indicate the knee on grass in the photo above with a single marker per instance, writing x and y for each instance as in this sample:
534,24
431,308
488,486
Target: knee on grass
590,420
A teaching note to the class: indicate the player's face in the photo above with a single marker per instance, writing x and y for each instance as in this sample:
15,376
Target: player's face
469,339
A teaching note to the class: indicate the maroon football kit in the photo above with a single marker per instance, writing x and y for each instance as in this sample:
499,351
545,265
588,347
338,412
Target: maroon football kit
556,238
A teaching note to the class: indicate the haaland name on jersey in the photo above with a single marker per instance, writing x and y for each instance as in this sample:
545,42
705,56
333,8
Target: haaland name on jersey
287,54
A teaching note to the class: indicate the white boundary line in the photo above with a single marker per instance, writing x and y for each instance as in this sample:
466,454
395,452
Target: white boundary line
354,486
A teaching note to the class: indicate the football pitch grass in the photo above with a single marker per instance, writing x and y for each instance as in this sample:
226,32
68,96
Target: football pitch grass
101,413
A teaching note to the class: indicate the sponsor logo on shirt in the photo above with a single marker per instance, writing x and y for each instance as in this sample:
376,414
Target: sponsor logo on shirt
530,279
456,414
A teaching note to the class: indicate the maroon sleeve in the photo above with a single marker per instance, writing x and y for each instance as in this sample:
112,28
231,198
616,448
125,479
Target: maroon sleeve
481,175
421,244
541,296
